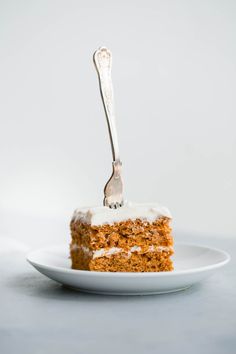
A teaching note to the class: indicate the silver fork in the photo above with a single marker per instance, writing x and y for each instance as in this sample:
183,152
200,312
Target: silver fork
113,191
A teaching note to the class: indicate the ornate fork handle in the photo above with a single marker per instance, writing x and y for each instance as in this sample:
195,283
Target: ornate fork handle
113,190
103,62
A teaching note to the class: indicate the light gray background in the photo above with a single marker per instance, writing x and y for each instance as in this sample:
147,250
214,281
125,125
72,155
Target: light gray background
174,79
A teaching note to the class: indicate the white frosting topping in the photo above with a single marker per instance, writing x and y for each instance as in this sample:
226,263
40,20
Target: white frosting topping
102,252
104,215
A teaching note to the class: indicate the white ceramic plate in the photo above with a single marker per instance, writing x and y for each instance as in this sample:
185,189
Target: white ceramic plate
192,264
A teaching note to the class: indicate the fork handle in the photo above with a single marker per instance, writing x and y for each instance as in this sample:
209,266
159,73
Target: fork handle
103,62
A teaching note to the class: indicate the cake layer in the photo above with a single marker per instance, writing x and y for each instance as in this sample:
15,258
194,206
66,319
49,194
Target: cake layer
126,246
130,211
122,235
119,262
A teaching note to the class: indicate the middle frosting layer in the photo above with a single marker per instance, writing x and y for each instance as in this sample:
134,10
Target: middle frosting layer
106,252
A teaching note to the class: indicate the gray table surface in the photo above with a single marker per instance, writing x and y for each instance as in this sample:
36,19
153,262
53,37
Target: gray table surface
40,316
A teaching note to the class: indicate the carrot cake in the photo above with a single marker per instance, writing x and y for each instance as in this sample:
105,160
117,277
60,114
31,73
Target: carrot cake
133,238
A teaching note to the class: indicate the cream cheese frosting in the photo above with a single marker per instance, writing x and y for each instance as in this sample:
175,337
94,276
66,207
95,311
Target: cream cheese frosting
102,252
129,211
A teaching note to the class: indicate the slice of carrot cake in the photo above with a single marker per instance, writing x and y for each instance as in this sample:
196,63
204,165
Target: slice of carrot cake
133,238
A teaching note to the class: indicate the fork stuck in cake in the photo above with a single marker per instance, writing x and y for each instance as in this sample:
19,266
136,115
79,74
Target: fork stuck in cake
119,236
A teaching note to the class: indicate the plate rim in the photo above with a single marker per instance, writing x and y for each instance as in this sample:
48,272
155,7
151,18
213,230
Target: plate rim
131,274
